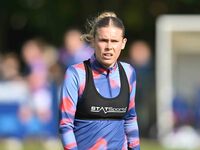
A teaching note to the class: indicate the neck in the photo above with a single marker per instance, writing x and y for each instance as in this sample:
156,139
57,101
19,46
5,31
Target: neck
103,65
107,66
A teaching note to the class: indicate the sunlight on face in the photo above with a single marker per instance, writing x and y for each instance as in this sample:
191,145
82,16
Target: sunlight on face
108,43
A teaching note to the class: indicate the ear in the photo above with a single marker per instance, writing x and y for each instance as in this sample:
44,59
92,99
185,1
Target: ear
124,43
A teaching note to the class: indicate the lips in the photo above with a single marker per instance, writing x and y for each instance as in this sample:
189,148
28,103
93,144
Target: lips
107,55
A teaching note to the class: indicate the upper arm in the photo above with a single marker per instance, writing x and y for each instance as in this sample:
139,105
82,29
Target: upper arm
70,84
69,98
131,76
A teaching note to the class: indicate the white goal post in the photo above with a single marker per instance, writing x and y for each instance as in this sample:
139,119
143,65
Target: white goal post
166,27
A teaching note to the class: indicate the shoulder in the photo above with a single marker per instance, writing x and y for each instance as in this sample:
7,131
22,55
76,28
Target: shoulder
130,71
127,67
76,68
76,72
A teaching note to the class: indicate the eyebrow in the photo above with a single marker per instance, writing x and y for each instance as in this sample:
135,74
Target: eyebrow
105,39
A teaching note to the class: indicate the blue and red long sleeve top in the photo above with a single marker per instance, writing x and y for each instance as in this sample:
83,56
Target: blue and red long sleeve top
97,134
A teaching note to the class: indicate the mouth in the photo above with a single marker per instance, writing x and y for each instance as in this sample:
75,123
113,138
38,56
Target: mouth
107,55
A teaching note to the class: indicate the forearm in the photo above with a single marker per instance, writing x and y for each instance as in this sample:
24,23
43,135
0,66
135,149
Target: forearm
66,130
68,140
132,133
66,127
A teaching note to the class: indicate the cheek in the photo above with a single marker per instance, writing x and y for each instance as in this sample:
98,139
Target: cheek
118,50
97,47
97,52
118,47
118,53
100,47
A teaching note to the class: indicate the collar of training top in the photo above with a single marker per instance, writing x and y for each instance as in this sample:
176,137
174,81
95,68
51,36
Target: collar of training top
97,66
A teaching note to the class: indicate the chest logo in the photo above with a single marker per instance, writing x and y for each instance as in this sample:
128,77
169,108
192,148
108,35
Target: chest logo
106,110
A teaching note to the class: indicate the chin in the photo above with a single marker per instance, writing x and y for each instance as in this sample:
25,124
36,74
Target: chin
107,64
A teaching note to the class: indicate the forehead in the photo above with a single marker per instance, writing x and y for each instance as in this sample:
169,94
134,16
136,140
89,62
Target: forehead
109,32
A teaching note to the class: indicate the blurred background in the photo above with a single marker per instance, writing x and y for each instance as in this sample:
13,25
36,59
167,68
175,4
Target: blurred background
39,39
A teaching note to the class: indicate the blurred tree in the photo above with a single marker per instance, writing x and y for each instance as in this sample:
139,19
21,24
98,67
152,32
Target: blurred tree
22,19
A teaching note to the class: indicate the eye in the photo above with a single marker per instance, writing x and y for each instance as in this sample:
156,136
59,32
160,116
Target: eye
103,40
114,41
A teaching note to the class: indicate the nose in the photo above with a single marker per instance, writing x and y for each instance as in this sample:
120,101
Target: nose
109,46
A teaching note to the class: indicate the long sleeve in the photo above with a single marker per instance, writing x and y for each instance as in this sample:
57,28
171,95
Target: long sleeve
69,97
131,125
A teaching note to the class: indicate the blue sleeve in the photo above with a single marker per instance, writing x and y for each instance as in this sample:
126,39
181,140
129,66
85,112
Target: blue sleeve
131,125
69,97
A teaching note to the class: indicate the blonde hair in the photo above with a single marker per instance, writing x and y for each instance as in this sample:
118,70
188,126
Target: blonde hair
105,14
97,23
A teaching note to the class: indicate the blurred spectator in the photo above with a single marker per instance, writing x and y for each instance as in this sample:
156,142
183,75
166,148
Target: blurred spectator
37,71
39,58
10,67
141,59
39,85
75,50
182,112
55,71
13,98
140,54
